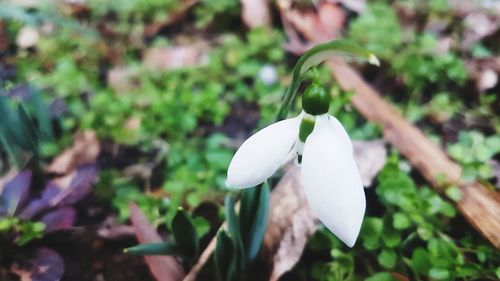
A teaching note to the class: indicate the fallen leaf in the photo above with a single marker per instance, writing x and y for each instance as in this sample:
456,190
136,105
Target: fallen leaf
85,150
122,79
44,265
173,16
27,37
484,71
291,222
332,18
15,193
4,38
255,13
59,219
63,191
487,79
307,22
111,229
370,157
477,26
164,268
357,6
169,58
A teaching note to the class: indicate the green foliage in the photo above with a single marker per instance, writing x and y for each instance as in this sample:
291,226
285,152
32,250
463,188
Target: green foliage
177,101
377,30
121,191
140,10
341,268
25,230
412,58
414,232
419,65
210,9
474,151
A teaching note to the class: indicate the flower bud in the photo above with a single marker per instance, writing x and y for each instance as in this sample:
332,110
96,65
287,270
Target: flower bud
316,100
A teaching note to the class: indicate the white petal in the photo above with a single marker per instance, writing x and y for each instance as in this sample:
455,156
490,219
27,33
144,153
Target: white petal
332,182
341,134
262,154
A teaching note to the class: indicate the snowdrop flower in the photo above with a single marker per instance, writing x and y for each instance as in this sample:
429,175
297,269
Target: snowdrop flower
324,151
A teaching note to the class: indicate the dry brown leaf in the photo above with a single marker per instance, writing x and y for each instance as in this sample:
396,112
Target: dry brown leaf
174,16
312,27
85,150
163,268
4,40
484,71
370,157
333,19
168,58
111,228
477,26
27,37
122,79
487,79
255,13
306,22
357,6
290,224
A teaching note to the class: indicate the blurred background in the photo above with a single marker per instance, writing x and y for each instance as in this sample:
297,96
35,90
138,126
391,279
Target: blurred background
103,103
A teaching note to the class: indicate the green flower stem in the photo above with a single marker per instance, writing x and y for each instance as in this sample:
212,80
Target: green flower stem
315,56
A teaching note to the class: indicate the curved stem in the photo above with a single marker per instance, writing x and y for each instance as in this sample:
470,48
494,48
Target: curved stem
315,56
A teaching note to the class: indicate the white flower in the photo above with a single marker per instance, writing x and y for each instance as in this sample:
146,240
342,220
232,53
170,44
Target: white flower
330,176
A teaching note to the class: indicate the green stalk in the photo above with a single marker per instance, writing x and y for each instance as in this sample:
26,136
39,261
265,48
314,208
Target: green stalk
315,56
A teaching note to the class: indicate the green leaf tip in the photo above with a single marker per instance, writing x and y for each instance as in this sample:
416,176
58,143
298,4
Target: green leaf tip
372,59
185,233
149,249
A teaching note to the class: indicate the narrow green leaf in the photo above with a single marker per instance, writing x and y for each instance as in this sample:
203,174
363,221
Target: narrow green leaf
163,248
42,114
259,224
225,262
247,211
185,233
234,230
27,129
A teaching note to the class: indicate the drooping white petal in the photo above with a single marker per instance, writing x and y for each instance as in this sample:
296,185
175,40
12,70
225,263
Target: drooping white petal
341,134
262,154
332,182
